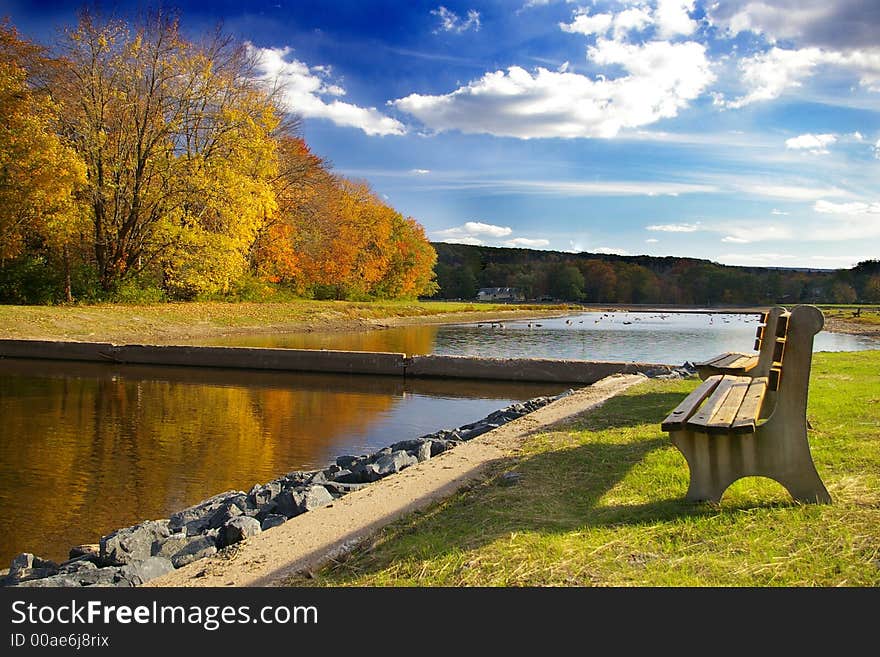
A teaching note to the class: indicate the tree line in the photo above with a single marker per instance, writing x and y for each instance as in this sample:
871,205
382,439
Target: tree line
597,278
136,163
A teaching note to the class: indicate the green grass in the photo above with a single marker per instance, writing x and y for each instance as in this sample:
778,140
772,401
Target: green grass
600,502
164,322
869,315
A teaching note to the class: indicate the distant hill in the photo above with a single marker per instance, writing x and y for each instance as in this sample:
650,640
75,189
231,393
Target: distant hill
608,278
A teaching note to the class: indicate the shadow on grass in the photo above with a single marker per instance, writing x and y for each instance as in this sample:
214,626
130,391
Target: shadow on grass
629,411
553,493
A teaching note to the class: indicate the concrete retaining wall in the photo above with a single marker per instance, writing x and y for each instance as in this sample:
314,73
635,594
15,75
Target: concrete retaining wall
524,369
331,362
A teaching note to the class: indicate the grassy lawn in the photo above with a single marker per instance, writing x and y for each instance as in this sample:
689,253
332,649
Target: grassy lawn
166,322
600,502
869,315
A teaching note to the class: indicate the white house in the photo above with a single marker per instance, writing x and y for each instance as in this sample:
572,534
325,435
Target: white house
499,294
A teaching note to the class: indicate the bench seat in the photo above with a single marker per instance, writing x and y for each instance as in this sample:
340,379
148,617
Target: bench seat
727,363
723,403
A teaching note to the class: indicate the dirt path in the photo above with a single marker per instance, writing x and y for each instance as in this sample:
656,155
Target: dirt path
309,540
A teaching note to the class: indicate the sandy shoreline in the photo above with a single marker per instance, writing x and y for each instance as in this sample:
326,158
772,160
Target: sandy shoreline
307,541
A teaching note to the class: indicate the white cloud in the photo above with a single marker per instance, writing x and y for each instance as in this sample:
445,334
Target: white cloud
452,22
778,212
674,228
815,144
767,75
635,19
474,228
858,136
790,192
604,188
835,24
526,242
734,240
584,23
473,241
420,172
302,88
620,24
673,19
651,241
661,79
851,209
877,149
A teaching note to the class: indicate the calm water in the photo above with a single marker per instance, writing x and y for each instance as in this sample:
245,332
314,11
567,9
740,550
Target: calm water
650,337
88,448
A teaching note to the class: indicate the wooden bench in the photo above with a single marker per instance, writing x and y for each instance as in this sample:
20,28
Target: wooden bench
735,426
749,364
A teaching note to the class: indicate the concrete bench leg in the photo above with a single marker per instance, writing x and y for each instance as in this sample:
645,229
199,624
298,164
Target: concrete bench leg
716,461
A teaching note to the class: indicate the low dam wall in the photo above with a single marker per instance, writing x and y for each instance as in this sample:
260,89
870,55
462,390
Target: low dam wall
332,362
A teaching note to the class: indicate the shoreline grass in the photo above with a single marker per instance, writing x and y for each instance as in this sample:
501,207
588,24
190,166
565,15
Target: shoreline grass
166,322
599,502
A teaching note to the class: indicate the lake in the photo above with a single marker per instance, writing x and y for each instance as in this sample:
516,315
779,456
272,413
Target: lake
650,337
89,448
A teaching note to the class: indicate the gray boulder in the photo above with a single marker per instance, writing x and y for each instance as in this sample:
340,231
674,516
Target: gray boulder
135,574
272,520
226,512
168,547
196,519
312,497
238,529
197,548
423,453
387,464
132,543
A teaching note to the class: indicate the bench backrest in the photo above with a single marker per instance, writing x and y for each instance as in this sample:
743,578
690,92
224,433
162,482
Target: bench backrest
788,377
771,328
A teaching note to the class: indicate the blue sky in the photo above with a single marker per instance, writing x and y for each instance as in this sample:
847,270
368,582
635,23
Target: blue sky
741,131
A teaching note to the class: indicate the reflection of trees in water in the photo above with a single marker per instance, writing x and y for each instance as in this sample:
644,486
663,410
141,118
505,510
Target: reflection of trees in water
81,457
410,340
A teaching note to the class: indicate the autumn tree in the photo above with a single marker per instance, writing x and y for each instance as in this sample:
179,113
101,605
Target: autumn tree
170,132
39,175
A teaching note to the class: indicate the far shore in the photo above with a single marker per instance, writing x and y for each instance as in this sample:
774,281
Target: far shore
194,322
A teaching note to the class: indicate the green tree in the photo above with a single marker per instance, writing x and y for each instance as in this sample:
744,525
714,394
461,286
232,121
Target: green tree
567,282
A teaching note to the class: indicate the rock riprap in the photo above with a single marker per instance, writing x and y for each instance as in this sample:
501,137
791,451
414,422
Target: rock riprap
132,555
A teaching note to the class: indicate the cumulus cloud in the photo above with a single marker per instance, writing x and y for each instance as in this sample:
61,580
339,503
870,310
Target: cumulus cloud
673,18
526,242
661,79
839,24
473,229
452,22
420,172
767,75
651,241
877,149
585,23
304,88
674,228
816,144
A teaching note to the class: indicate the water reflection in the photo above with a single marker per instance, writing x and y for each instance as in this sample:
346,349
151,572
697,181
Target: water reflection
88,448
652,337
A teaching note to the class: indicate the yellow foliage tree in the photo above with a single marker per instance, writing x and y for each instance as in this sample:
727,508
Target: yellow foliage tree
39,176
